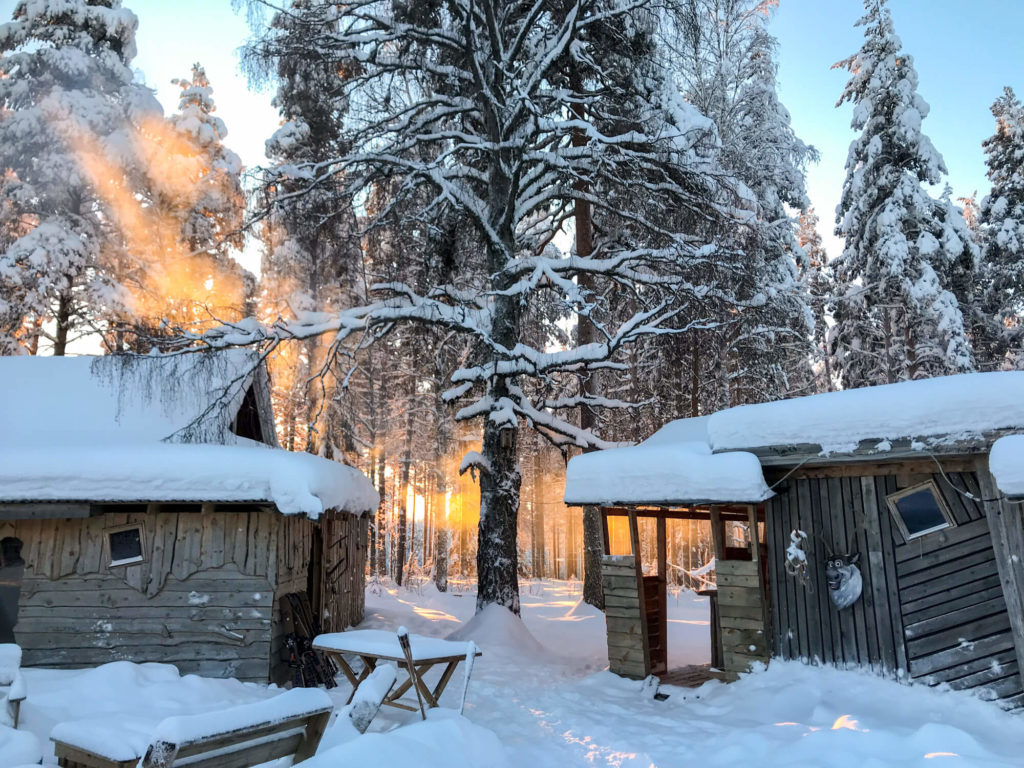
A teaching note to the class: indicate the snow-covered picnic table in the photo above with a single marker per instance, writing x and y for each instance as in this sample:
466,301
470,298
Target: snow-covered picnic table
373,646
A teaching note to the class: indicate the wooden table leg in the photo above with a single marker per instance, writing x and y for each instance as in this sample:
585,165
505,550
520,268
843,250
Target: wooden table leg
427,694
368,666
446,676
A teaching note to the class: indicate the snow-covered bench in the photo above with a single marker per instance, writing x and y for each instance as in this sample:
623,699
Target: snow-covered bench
12,684
289,725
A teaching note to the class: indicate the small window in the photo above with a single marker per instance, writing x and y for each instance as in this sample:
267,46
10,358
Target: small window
920,509
125,545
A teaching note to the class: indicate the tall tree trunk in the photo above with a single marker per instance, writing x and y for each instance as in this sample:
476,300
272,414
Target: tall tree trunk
381,513
586,333
695,377
403,493
63,319
538,519
497,560
372,543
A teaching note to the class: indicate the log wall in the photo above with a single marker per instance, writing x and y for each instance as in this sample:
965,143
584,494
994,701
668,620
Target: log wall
201,600
931,609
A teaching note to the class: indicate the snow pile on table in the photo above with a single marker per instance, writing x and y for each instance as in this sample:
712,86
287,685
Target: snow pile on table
154,428
384,643
943,408
1006,463
674,465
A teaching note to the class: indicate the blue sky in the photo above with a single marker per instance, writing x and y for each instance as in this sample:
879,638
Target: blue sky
964,52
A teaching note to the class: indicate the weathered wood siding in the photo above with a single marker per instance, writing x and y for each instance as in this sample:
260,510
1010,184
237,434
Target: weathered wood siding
344,570
202,599
627,653
931,608
741,613
295,540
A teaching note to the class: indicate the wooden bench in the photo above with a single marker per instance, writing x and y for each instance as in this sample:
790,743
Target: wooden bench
12,683
289,725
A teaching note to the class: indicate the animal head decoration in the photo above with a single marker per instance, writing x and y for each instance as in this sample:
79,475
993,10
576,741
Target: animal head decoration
844,579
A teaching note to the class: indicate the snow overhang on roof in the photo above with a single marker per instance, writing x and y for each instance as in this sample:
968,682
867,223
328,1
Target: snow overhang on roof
932,412
716,458
674,466
296,483
152,429
1006,463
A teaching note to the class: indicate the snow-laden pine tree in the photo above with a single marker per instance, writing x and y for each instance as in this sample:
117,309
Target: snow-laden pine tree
818,279
312,258
191,221
1001,222
212,217
462,109
896,314
67,100
725,65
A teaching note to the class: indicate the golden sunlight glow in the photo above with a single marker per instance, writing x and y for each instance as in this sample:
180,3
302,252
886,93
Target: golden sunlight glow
847,722
166,280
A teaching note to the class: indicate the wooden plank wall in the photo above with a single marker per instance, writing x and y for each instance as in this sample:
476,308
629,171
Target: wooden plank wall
931,608
295,537
624,617
741,613
202,600
957,626
344,576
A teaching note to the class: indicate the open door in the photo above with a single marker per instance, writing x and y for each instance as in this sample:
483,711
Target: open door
635,605
742,605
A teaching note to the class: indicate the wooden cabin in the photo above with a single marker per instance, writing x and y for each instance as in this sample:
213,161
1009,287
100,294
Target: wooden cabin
150,516
898,476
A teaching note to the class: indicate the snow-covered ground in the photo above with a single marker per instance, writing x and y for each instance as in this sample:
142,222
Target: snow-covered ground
539,697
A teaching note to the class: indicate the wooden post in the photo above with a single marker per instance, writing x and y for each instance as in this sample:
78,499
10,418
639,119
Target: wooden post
1007,528
717,534
604,531
662,547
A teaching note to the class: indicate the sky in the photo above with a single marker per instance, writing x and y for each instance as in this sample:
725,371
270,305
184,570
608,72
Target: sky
964,52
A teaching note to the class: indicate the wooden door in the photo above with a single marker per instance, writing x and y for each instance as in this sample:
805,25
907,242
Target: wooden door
655,588
335,582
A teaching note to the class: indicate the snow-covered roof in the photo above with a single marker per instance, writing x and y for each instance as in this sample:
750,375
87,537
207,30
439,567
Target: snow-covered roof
712,458
153,429
675,465
935,411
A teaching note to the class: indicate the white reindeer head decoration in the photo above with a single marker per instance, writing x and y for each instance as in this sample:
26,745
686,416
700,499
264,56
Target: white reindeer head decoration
844,579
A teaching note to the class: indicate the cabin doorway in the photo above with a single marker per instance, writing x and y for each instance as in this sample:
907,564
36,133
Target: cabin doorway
637,570
12,570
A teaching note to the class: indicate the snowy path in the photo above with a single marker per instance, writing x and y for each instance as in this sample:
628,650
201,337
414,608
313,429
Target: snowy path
550,706
539,699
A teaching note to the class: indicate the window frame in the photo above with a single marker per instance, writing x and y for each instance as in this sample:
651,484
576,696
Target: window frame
107,532
929,485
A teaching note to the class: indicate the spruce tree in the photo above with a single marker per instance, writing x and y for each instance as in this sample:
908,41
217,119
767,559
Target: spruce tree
1001,223
818,279
191,222
67,106
896,314
725,65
